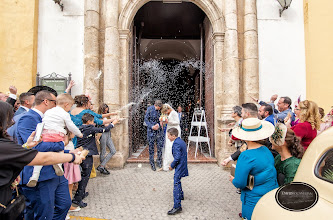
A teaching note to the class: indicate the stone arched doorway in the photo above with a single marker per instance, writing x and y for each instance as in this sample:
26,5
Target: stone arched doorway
174,55
109,51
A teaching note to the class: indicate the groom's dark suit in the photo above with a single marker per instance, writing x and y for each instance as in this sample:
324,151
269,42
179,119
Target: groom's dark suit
152,118
179,163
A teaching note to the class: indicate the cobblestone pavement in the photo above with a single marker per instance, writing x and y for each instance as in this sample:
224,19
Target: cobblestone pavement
139,193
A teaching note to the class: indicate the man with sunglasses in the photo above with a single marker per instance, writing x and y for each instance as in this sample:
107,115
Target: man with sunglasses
57,203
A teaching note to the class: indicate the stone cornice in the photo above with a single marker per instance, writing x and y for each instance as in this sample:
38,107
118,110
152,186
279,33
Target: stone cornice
124,34
218,37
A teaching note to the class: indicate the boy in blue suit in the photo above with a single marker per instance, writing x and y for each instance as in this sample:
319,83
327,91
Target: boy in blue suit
179,163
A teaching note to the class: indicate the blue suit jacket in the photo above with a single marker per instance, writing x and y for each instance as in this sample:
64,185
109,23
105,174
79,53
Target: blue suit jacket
271,119
20,111
152,118
26,125
179,153
47,172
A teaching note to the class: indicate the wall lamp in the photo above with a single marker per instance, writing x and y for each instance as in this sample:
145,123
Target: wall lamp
284,4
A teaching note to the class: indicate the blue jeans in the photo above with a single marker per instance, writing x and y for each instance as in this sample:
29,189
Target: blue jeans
106,141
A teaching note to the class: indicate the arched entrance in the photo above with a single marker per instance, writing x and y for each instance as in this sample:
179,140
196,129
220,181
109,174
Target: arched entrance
171,43
117,64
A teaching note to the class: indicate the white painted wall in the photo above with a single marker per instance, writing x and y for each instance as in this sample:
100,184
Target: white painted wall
281,50
60,40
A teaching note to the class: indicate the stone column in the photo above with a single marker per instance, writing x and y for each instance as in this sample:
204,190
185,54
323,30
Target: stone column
218,40
251,61
125,37
230,79
230,82
112,77
91,50
111,55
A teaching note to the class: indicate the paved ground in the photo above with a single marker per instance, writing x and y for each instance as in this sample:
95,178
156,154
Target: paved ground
140,193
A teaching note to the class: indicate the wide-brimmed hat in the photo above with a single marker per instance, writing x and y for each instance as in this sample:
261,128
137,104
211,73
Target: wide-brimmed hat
253,129
279,135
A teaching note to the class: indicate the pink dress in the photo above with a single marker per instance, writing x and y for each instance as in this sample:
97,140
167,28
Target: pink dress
71,171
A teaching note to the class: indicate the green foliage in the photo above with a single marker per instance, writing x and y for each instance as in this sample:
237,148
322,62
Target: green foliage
328,174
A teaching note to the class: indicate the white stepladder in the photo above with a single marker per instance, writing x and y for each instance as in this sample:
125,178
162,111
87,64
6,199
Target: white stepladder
199,121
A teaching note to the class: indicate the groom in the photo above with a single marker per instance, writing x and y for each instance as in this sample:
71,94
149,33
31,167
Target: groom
179,163
154,133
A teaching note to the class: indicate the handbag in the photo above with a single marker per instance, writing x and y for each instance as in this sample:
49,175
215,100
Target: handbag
14,208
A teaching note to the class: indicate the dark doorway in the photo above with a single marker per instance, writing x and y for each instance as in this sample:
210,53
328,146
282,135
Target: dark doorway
166,62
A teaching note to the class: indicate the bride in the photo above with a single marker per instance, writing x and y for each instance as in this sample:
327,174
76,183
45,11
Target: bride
172,121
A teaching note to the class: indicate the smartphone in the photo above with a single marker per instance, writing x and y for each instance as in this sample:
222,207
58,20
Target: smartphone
39,131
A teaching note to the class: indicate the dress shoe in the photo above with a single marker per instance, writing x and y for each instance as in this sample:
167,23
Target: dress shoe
99,168
80,203
153,167
85,195
104,171
174,211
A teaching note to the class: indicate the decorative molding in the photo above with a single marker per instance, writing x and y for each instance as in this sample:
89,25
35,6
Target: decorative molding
124,34
218,37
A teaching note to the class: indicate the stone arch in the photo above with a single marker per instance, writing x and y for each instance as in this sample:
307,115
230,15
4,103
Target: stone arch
207,6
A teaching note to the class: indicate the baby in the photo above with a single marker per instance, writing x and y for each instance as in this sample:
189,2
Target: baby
56,119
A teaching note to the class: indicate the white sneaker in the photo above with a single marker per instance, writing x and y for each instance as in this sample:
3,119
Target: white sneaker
32,182
75,210
67,217
58,169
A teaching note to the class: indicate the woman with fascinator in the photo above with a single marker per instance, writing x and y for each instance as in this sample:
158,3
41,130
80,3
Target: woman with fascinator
257,161
172,121
287,144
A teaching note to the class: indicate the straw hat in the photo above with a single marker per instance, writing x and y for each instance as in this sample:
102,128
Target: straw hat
279,135
253,129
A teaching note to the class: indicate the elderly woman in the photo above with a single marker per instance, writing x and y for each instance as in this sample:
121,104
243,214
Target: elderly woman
172,121
14,157
309,123
287,144
256,161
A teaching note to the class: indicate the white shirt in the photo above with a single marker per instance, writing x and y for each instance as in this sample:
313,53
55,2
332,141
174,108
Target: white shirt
26,108
57,119
39,112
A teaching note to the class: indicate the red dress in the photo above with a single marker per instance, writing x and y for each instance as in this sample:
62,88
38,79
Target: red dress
305,132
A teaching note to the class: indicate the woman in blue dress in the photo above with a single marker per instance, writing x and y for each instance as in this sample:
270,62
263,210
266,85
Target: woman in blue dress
257,161
83,105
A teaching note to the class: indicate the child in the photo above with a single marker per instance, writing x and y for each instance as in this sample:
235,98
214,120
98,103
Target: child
71,171
88,142
179,163
105,141
56,119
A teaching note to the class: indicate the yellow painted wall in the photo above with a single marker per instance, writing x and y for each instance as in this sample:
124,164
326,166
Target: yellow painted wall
18,44
318,20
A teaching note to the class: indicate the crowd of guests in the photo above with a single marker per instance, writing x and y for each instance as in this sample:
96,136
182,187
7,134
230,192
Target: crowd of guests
46,174
270,142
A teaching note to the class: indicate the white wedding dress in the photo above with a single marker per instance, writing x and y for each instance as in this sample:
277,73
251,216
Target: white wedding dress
173,122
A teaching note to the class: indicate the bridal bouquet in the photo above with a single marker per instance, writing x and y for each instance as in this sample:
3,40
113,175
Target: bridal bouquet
163,117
